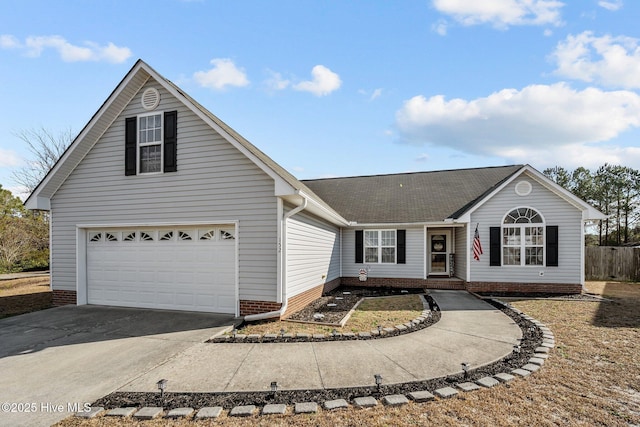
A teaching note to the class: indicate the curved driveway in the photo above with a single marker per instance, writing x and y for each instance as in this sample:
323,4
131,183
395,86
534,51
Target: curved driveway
470,331
56,359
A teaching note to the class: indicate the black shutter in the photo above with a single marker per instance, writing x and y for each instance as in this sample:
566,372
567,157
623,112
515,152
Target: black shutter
171,141
494,247
402,246
359,246
130,142
552,245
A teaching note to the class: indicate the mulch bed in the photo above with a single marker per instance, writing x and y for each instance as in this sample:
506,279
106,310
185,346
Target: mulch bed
532,338
560,297
344,298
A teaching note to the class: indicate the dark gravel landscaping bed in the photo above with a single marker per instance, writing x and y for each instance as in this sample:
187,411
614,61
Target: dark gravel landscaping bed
344,298
532,338
333,307
564,297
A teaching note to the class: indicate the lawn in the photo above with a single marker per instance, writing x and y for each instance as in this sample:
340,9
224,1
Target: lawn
591,378
18,296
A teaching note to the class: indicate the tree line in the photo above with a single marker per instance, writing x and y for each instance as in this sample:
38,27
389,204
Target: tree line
614,190
24,235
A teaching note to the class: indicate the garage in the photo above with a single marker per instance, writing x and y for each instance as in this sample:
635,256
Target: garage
172,268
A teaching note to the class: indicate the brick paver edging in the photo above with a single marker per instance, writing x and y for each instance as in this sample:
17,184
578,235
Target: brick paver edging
427,318
540,355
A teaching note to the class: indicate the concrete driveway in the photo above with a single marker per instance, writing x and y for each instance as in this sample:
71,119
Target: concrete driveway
54,361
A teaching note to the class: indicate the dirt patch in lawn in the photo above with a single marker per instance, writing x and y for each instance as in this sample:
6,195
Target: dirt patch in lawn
19,296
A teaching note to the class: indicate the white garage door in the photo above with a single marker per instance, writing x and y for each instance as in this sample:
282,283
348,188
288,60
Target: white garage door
174,268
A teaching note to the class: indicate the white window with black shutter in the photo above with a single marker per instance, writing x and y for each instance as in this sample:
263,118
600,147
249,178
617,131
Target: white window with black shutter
523,239
380,246
151,143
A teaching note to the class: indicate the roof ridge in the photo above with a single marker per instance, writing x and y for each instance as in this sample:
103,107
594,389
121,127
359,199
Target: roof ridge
414,173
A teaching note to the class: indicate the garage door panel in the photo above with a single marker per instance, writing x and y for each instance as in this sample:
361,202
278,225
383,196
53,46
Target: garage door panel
195,275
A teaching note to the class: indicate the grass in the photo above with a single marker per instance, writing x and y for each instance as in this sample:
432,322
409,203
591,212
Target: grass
592,378
383,311
19,296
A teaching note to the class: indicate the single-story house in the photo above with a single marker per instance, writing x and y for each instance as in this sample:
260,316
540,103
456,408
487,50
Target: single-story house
159,204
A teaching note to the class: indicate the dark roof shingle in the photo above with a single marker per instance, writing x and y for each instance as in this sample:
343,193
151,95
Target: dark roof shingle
409,197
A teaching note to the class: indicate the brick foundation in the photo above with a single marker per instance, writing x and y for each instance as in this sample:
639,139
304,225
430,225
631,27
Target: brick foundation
300,301
525,288
295,303
380,282
329,286
64,297
256,307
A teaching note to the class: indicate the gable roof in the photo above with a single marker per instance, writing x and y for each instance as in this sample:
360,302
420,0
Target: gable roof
285,183
399,198
410,197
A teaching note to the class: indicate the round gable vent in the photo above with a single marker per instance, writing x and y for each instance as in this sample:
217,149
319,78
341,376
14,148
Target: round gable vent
523,188
150,99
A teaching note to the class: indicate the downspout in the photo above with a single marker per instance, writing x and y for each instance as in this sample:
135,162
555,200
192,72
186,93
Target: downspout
283,308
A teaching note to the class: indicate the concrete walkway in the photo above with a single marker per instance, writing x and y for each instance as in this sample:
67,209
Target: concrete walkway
470,331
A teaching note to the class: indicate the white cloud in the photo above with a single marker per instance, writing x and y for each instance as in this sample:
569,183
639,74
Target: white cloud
276,81
376,94
610,61
33,47
572,156
7,41
324,82
611,5
9,158
423,157
537,121
440,27
502,13
224,73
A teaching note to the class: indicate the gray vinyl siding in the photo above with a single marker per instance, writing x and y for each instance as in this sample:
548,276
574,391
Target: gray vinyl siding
462,255
214,183
413,269
556,211
313,253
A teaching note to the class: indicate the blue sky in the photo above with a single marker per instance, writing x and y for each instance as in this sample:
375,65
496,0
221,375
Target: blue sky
341,88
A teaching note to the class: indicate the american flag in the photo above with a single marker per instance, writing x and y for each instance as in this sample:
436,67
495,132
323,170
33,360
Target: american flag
477,246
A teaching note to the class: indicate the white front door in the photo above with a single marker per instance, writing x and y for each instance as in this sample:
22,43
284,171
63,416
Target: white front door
439,248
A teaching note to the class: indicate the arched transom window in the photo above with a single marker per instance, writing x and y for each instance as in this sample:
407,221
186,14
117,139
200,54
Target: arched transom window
523,238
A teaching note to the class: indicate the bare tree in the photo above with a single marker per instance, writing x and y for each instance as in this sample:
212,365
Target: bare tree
24,235
45,148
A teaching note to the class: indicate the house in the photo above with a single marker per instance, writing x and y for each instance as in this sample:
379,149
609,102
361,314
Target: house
159,204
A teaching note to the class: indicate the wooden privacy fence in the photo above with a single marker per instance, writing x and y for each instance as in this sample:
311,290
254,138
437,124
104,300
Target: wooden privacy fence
612,263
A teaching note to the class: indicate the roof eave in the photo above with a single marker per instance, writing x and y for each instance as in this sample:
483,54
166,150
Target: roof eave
38,200
588,211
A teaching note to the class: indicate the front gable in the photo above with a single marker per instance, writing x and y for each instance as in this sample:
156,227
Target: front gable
529,233
201,156
139,77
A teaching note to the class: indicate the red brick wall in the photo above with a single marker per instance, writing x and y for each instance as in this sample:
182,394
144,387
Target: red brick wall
295,303
300,301
255,307
329,286
64,297
525,288
375,282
